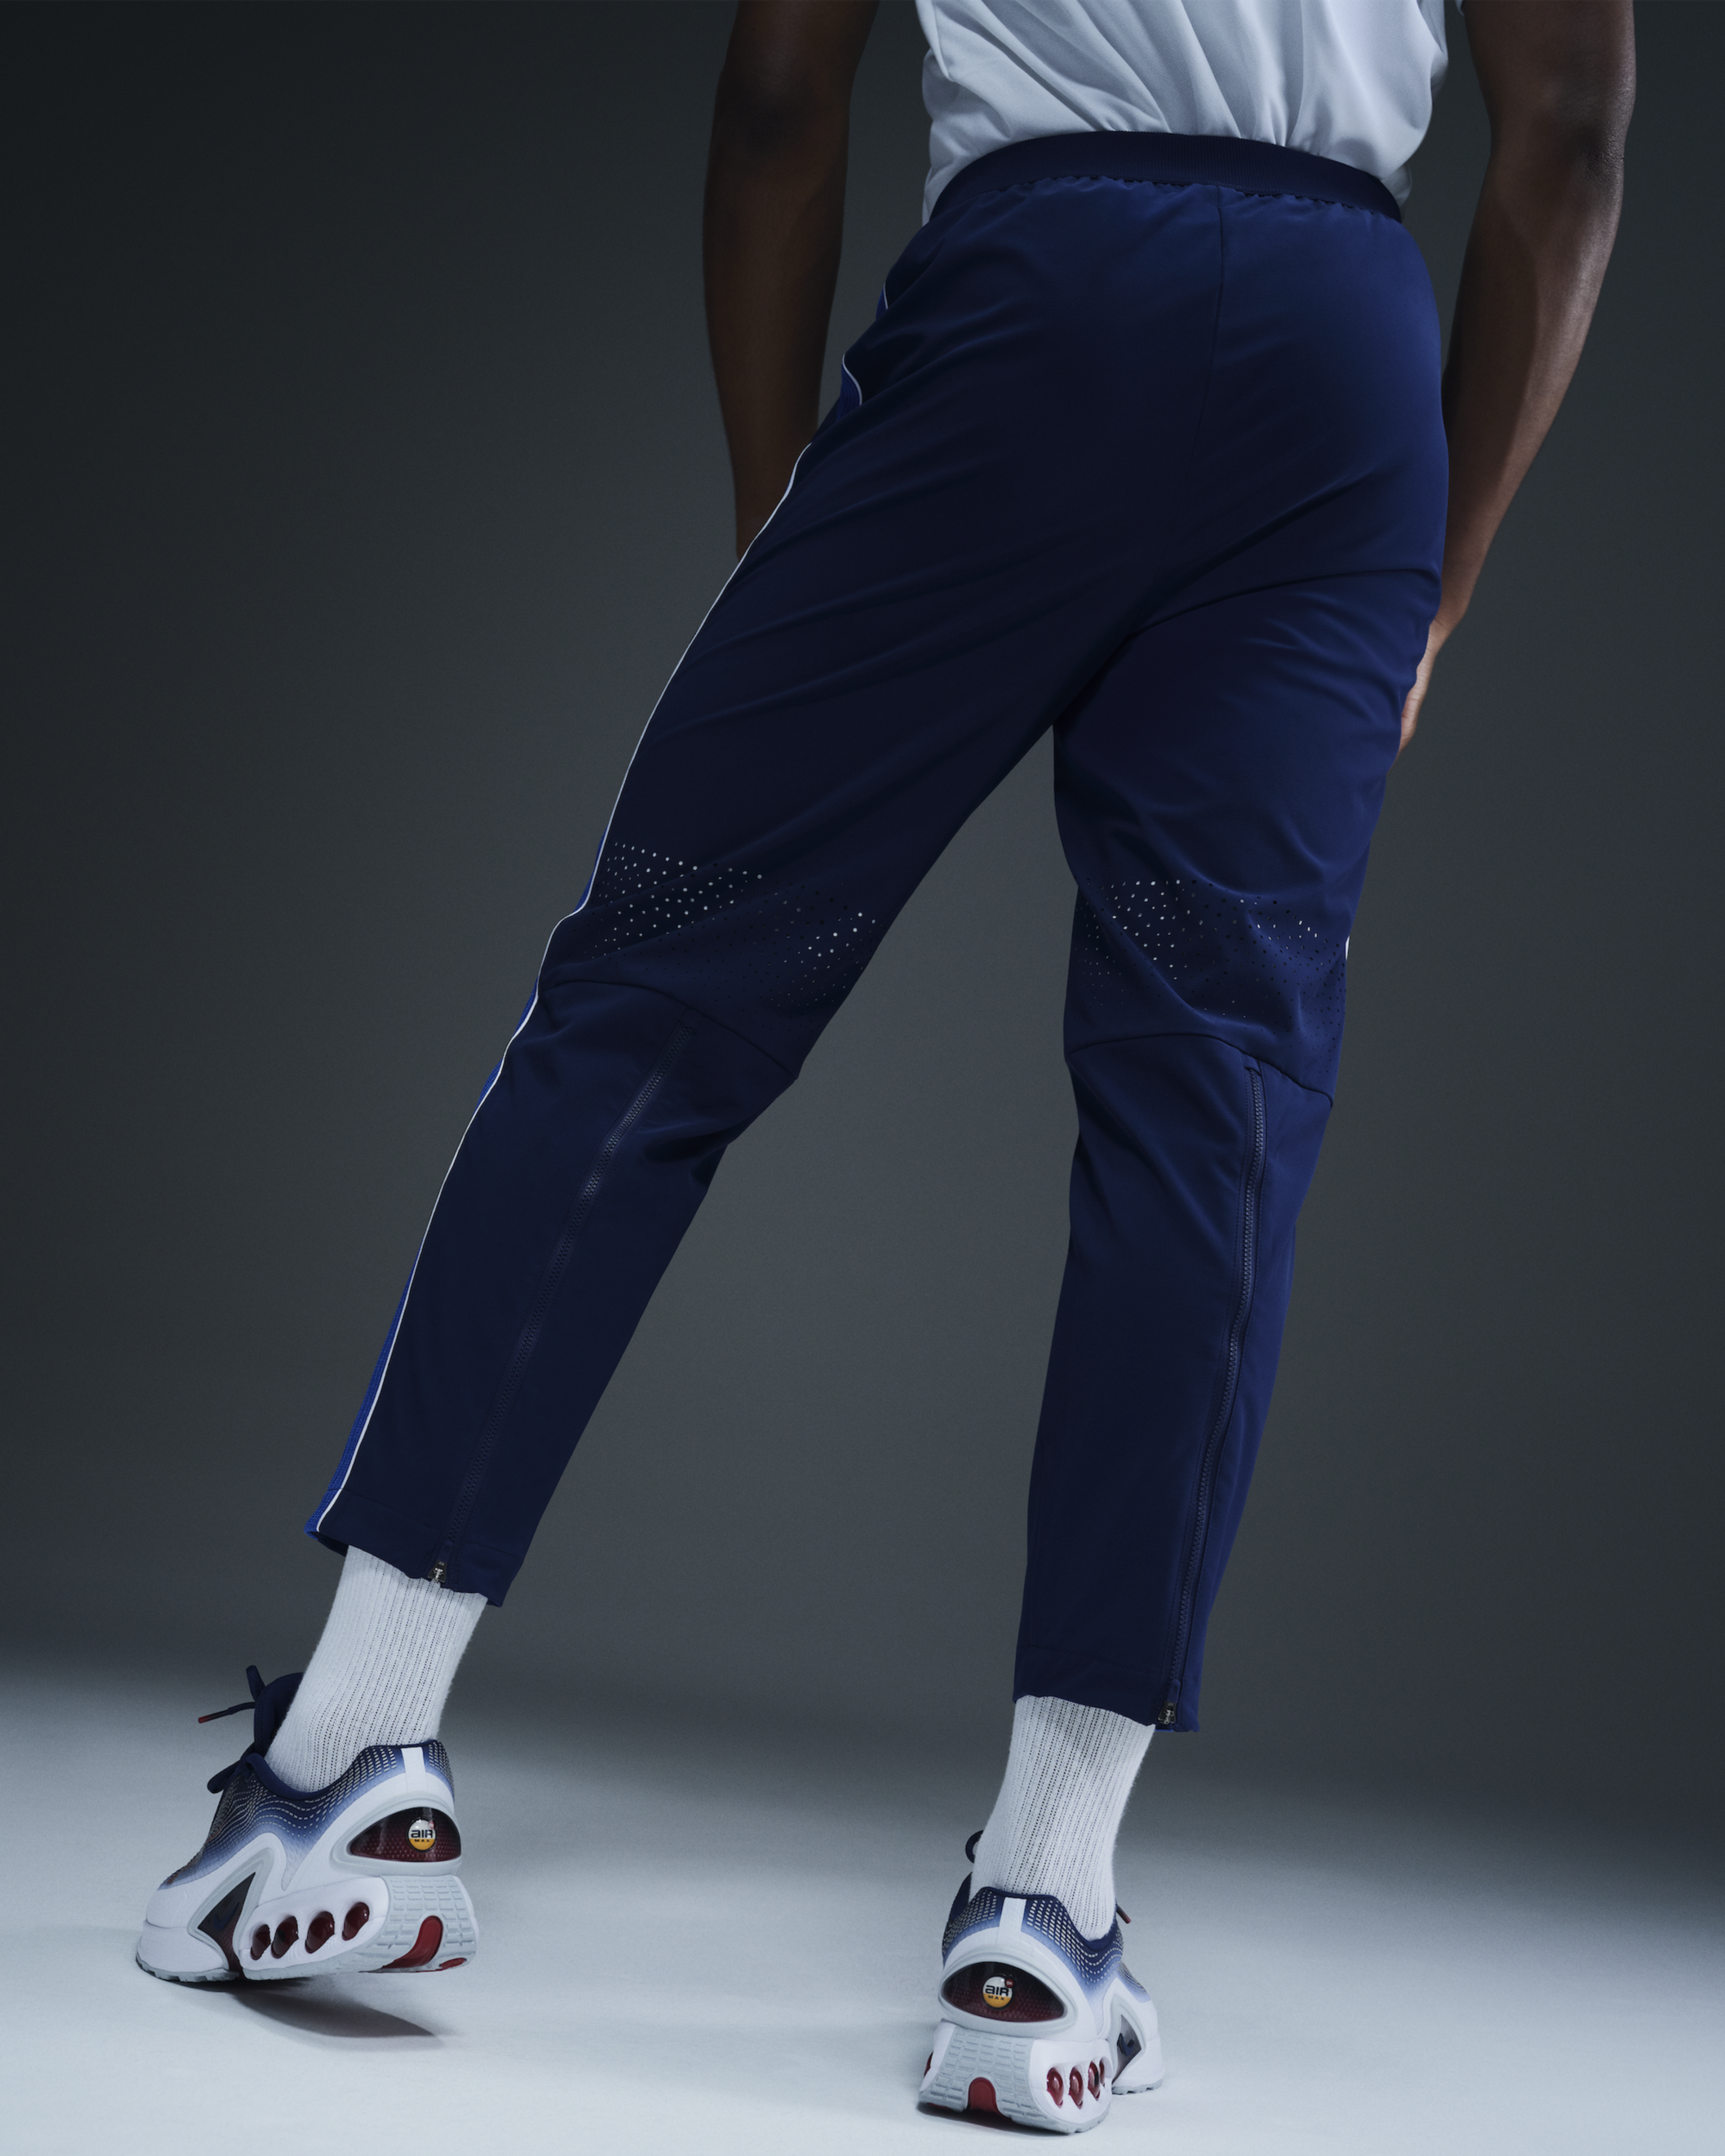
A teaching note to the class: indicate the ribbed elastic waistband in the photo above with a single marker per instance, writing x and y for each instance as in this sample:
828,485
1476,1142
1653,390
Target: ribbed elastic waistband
1216,160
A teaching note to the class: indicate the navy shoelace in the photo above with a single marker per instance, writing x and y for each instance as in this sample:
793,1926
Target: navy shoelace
268,1704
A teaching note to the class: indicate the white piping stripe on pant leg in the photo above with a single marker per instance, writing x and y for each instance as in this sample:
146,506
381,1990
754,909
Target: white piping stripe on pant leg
665,690
358,1439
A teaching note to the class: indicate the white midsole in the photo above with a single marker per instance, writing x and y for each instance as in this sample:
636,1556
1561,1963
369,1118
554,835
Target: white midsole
397,1909
1019,2069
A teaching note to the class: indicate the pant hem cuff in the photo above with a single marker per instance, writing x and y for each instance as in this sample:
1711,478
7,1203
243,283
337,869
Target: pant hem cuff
411,1546
1057,1673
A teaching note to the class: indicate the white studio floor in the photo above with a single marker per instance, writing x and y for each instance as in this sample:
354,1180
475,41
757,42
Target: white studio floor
682,1951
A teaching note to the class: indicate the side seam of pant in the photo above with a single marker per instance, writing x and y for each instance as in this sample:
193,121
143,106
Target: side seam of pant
574,1186
1193,1161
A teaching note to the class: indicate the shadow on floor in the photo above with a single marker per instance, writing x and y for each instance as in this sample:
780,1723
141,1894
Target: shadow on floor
988,2122
309,2009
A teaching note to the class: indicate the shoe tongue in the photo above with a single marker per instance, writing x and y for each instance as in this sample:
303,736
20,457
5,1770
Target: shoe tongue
270,1706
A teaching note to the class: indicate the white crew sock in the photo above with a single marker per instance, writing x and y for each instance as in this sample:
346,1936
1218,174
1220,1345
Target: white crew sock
380,1674
1069,1773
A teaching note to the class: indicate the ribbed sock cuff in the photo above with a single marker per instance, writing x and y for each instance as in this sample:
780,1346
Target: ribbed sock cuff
1069,1773
380,1674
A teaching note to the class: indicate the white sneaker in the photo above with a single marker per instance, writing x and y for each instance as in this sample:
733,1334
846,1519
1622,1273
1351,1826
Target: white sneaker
360,1876
1037,2022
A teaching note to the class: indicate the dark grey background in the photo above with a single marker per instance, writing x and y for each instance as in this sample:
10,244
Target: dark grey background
364,481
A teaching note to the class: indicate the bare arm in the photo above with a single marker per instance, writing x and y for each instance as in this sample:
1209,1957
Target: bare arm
1560,80
775,219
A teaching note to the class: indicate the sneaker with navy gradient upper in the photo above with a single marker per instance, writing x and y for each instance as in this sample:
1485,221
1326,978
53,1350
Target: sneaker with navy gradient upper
290,1882
1037,2023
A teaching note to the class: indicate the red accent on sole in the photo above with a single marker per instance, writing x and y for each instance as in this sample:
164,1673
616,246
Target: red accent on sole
261,1942
286,1932
423,1948
1056,2087
320,1931
980,2097
1095,2078
357,1918
459,1962
1075,2082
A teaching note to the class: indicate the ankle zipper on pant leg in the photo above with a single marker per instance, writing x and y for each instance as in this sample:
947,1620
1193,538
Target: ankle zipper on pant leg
553,1278
1169,1713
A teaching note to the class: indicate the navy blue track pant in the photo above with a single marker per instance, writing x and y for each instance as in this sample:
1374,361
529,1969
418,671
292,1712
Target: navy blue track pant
1143,446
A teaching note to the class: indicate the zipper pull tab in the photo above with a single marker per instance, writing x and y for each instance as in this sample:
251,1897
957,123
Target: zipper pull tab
1165,1720
436,1574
